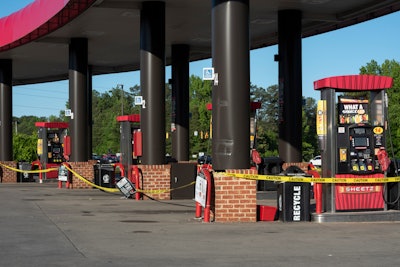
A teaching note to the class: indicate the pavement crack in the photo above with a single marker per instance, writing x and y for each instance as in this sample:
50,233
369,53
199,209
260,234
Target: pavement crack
61,231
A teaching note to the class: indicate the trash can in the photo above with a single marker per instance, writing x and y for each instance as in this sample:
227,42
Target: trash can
393,188
107,176
294,198
96,178
24,176
269,165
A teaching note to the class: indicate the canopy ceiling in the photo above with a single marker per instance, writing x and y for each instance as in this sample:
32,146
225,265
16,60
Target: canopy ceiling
112,28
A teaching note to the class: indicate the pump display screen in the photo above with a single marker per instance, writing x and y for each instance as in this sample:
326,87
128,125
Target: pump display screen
360,142
359,130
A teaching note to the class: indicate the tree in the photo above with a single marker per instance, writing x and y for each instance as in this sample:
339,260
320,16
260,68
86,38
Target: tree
267,119
389,68
267,122
115,102
24,147
200,118
310,140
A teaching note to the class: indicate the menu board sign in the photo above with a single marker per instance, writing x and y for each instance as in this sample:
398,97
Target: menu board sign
352,110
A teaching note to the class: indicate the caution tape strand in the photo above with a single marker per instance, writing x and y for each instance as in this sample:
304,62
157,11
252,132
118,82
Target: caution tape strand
302,179
106,189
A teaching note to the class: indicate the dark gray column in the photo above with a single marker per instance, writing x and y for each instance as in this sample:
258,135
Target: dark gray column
180,102
290,85
6,152
152,81
89,113
78,95
231,91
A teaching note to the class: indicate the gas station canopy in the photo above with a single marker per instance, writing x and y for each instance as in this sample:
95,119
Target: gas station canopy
38,47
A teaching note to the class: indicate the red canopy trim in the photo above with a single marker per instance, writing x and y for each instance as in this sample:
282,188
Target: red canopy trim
60,125
38,19
355,83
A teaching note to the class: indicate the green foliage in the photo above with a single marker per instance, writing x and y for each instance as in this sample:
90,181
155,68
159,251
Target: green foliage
200,117
25,138
267,140
389,68
267,119
24,147
105,109
310,138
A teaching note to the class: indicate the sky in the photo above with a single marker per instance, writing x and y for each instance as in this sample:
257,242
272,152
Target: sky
340,52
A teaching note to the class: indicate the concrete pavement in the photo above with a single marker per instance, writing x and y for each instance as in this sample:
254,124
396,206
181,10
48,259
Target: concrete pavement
42,225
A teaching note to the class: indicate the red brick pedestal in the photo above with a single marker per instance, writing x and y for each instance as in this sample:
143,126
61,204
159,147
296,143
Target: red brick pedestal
235,198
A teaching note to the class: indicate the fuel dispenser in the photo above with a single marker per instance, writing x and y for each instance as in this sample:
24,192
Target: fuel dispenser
351,132
53,146
131,142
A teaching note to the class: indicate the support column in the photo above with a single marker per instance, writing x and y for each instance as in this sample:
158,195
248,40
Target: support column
231,90
152,81
89,112
290,85
328,150
6,151
78,98
180,102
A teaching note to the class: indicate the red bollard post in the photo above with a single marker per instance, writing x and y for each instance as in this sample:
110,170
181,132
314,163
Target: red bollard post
198,210
207,209
318,198
136,177
317,192
68,183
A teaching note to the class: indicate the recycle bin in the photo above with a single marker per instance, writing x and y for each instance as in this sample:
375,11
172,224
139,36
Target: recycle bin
24,176
294,197
96,178
269,165
107,176
294,201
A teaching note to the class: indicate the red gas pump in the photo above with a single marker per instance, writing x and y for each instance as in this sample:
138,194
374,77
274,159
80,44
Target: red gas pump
52,146
351,132
131,148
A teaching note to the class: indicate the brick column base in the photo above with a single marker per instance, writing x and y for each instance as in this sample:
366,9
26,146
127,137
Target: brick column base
235,198
7,175
156,177
84,169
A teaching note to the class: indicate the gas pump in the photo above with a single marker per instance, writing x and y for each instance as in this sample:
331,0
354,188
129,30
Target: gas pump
52,146
131,142
352,140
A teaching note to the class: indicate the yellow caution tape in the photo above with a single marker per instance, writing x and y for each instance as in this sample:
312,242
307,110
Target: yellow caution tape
160,191
28,171
106,189
113,190
302,179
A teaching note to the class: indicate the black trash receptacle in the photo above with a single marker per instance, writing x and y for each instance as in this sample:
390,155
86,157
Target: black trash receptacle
96,178
107,176
294,202
24,176
294,197
393,188
269,165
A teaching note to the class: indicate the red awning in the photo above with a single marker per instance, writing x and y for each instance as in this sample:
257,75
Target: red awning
26,20
355,82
